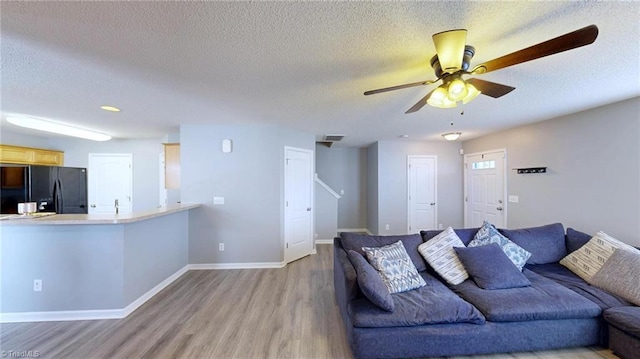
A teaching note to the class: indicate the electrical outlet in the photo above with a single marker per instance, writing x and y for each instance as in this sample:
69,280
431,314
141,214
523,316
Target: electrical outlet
342,192
37,285
221,247
440,226
386,227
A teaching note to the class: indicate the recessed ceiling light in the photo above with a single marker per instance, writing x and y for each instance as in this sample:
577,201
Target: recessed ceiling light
55,127
110,108
403,136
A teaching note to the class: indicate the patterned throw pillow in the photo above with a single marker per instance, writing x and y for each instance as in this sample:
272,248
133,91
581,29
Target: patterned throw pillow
398,272
488,234
588,259
439,253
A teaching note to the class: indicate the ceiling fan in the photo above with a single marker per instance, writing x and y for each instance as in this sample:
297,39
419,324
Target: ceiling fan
452,61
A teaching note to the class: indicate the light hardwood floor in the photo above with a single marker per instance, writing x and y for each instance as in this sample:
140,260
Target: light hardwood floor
249,313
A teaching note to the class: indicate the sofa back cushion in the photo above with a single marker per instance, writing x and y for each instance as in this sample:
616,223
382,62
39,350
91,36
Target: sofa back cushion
545,243
356,241
576,239
465,234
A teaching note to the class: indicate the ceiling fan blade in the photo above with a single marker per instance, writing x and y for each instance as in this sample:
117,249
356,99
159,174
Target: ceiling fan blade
450,49
572,40
398,87
420,104
490,89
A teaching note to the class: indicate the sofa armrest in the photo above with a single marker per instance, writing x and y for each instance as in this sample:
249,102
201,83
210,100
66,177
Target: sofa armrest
344,277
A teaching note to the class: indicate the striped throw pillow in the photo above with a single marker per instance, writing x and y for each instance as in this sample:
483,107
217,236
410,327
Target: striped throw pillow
439,253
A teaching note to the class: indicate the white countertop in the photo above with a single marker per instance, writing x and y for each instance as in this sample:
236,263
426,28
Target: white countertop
66,219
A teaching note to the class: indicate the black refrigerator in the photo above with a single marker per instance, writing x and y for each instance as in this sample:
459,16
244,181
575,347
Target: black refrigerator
54,189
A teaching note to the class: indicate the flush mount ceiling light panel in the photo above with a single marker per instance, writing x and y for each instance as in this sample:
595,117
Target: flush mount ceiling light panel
110,108
56,127
453,58
451,136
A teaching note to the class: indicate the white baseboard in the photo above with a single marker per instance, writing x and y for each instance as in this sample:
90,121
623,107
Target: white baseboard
153,291
258,265
57,316
100,314
354,230
324,241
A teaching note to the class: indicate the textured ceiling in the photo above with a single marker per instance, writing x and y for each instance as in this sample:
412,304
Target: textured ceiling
303,65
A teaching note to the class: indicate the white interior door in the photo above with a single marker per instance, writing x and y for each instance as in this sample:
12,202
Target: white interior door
485,188
421,192
110,181
298,210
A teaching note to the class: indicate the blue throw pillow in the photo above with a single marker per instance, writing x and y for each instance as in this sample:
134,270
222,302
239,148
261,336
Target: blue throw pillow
490,267
488,234
370,282
545,243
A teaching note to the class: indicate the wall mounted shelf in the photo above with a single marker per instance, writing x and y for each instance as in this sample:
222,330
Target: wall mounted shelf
531,170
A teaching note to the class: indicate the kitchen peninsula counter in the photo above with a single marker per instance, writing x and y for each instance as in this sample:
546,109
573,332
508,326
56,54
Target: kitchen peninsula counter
77,219
90,266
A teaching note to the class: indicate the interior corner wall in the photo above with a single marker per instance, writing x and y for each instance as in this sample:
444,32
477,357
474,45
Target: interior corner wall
346,169
593,170
372,188
251,180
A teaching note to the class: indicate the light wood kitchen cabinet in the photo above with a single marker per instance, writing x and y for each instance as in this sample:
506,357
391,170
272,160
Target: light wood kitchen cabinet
172,165
30,156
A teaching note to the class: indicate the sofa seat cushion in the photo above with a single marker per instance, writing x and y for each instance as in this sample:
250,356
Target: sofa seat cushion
562,275
434,303
626,319
356,241
543,300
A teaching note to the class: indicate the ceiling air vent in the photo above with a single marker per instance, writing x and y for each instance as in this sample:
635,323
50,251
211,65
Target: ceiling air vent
325,143
333,138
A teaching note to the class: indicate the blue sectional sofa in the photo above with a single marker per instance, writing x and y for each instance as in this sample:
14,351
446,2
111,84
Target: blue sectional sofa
557,310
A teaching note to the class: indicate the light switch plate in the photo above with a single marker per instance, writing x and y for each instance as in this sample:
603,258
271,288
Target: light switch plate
218,200
513,199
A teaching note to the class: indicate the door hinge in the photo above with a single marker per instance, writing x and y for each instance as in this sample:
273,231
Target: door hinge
287,245
287,161
466,199
286,203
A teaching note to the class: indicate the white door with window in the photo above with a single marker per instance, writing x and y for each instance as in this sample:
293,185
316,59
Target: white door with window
485,188
298,206
421,185
110,183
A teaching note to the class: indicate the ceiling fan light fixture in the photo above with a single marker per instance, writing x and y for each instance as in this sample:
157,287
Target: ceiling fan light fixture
457,90
472,93
55,127
439,98
451,136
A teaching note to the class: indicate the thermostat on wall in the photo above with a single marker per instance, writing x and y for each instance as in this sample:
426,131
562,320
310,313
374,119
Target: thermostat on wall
226,146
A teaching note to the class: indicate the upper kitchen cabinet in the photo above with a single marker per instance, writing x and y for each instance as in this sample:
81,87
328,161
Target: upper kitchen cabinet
172,165
30,156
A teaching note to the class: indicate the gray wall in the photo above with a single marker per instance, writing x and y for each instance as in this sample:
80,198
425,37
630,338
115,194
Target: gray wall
392,183
145,152
346,169
251,179
326,214
372,188
593,164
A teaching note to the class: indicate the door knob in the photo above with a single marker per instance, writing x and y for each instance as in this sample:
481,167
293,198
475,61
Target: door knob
93,206
433,203
308,209
499,208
